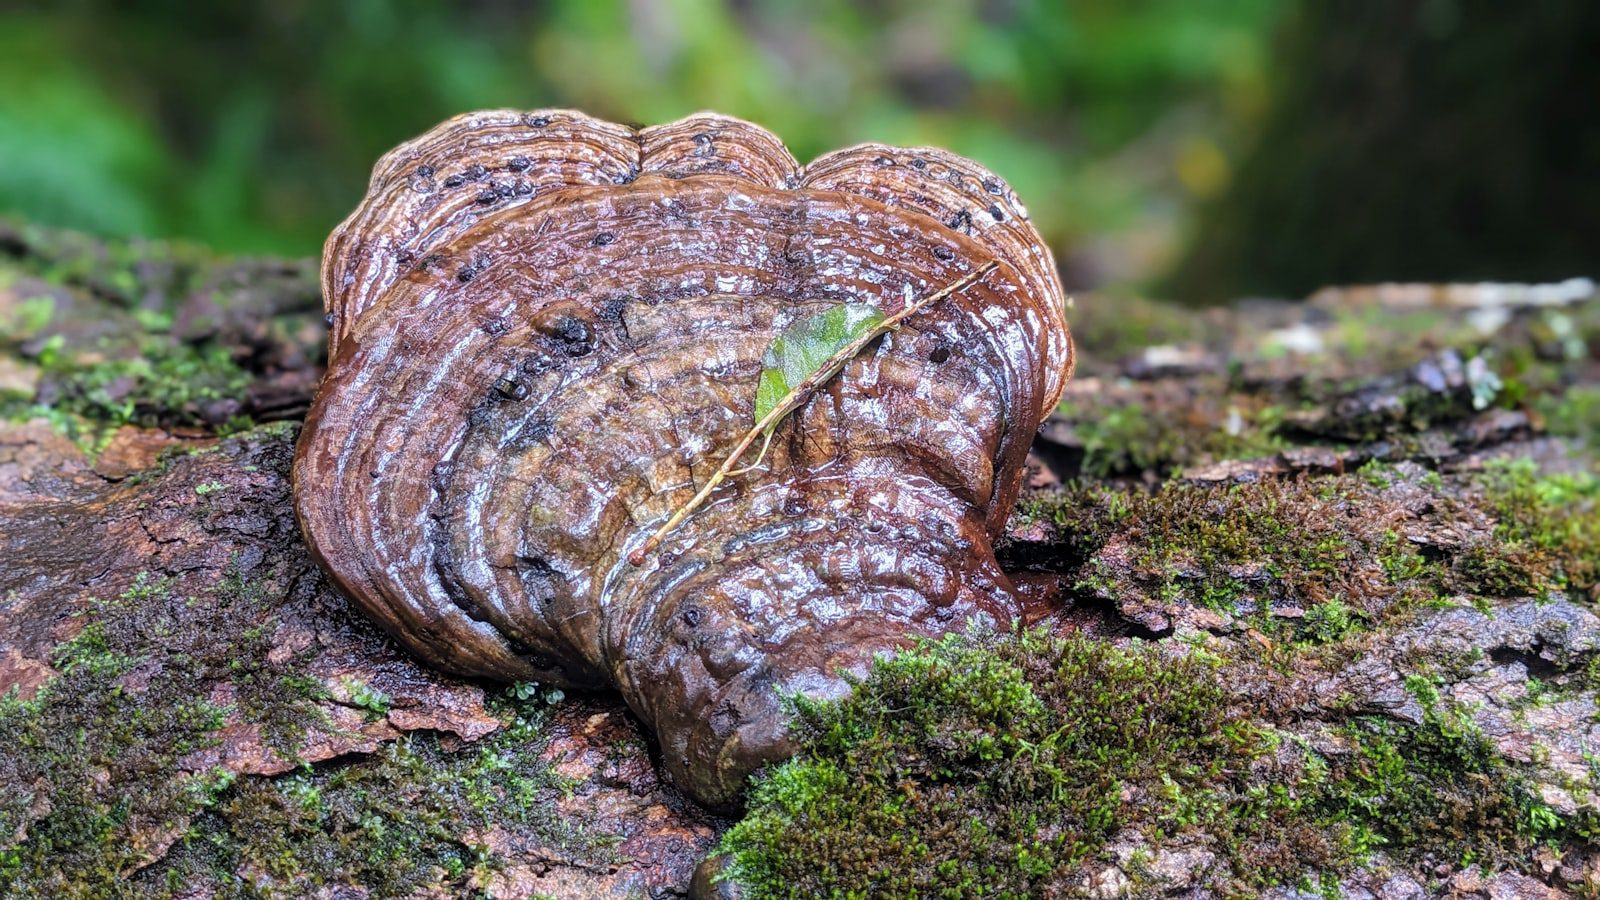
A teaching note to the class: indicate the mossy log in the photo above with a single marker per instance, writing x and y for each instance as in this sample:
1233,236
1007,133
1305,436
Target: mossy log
1312,600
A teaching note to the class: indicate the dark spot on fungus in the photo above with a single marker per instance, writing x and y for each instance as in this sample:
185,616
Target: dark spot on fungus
573,334
604,238
942,252
511,390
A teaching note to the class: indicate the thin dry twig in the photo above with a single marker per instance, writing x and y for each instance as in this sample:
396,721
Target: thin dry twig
797,396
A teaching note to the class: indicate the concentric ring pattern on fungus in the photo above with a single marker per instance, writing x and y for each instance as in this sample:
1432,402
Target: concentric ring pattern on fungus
546,332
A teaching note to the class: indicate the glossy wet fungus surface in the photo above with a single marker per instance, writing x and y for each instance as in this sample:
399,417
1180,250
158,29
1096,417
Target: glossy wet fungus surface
545,334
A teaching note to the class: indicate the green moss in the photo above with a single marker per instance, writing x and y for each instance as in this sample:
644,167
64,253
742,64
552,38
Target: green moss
364,696
92,764
127,272
1330,622
25,318
1438,786
1249,548
169,383
1003,766
86,397
1381,337
1116,329
1574,413
96,775
1000,765
1127,437
414,816
1327,557
1551,521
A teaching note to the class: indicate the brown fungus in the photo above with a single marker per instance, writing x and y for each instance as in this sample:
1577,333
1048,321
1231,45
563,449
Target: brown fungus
546,333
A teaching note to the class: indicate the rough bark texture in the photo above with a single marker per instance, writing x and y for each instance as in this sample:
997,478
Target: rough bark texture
1308,493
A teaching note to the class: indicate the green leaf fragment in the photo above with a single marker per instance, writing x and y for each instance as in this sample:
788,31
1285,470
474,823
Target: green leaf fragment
805,347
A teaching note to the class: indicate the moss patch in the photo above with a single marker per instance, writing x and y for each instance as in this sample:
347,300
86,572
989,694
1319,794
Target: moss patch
1324,557
413,816
1251,549
100,786
167,384
1552,521
1122,435
1007,766
1438,787
93,760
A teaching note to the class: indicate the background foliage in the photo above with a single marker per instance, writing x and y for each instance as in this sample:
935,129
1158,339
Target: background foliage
1224,145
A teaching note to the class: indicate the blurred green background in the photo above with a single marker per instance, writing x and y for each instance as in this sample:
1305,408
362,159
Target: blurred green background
1202,149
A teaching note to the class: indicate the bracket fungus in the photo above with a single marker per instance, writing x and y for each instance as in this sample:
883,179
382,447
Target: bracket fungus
546,332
